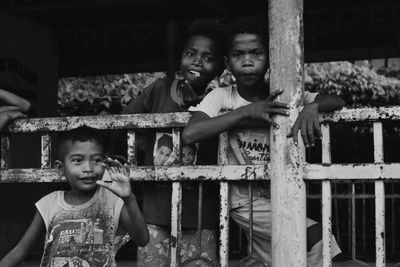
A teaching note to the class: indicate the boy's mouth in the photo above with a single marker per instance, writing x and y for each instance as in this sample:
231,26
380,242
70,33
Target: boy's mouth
195,73
88,179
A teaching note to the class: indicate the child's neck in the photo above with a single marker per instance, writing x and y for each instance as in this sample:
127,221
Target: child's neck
254,93
75,197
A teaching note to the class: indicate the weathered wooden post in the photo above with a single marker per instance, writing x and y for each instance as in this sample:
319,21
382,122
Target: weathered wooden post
288,194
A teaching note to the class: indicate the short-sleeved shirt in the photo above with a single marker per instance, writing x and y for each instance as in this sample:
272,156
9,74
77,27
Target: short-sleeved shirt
80,235
161,97
245,146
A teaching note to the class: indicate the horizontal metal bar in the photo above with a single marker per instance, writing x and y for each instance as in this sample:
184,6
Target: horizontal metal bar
131,121
364,171
170,120
367,171
363,114
357,196
151,173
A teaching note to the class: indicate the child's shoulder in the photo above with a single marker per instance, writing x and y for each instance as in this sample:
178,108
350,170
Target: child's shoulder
50,199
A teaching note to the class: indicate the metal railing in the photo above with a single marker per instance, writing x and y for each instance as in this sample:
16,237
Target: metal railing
224,173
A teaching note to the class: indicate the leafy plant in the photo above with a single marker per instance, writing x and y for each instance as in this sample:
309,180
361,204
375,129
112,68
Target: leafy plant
357,85
101,94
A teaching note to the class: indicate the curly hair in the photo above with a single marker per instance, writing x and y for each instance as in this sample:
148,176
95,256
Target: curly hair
212,29
251,25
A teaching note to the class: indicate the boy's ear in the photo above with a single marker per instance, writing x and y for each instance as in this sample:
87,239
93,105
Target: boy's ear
59,167
227,64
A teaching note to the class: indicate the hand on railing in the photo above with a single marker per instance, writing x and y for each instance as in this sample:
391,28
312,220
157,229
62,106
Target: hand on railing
308,124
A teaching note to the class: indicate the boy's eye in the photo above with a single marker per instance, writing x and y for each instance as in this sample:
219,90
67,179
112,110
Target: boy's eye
236,55
98,160
189,53
209,59
76,160
258,53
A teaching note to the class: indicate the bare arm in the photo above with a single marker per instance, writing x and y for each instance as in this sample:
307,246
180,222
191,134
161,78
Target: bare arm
201,126
132,221
131,217
327,103
10,99
19,252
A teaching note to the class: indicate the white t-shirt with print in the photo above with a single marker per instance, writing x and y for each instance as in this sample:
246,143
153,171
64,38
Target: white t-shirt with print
246,146
80,235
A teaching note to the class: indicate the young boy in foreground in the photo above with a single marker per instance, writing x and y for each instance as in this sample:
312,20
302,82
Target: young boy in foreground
83,224
226,108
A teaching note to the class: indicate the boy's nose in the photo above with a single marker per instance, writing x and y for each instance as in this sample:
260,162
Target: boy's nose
88,167
197,61
247,61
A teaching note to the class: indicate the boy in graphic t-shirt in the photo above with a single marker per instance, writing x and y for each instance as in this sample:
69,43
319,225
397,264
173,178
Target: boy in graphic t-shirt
226,108
84,224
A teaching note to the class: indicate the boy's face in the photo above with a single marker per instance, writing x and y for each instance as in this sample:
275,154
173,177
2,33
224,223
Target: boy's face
82,165
247,59
199,62
187,155
162,155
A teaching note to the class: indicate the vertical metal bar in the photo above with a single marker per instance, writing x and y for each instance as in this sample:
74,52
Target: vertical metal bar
393,222
353,221
326,199
336,211
46,151
131,147
349,229
379,199
250,188
176,203
5,151
224,213
200,215
364,228
288,193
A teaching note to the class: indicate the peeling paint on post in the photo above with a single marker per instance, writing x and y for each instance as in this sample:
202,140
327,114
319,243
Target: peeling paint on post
288,194
46,151
5,151
176,202
131,146
224,206
326,200
379,199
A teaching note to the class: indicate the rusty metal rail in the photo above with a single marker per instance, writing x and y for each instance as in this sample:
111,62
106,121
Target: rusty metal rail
224,173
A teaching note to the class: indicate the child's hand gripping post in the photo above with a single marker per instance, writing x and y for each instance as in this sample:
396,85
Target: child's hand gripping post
264,109
119,184
308,124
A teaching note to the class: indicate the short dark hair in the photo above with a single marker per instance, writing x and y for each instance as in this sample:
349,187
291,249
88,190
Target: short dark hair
251,25
212,29
82,134
165,140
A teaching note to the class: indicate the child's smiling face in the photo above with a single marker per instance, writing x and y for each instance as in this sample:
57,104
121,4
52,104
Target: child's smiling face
188,155
200,62
82,165
247,59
